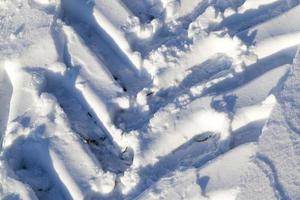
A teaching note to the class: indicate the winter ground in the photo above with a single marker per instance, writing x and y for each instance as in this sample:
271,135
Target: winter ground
150,99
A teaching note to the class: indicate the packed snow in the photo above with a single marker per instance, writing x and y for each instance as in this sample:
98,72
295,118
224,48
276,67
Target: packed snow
150,99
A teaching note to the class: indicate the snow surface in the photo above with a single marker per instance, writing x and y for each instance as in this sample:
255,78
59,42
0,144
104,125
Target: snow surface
149,99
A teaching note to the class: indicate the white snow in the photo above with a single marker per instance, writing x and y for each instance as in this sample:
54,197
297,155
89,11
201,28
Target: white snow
149,99
186,7
267,47
250,114
254,4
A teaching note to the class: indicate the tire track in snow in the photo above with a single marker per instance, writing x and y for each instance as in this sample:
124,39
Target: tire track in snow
130,78
269,169
240,22
105,45
90,133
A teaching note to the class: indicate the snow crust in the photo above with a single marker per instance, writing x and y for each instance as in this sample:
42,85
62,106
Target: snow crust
149,99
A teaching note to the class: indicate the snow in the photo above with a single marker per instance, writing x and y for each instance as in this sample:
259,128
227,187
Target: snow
266,47
168,128
255,4
250,114
186,7
223,178
149,99
283,131
99,14
276,26
94,84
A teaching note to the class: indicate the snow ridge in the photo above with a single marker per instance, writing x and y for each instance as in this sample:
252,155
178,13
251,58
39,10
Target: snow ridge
138,99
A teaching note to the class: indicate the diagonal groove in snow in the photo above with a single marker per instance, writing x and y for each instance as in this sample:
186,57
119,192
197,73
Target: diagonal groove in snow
228,83
54,133
269,169
88,130
129,79
88,80
207,152
273,30
253,71
239,22
203,152
111,52
199,74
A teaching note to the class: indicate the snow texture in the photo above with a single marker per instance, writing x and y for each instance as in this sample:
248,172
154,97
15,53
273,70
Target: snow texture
149,99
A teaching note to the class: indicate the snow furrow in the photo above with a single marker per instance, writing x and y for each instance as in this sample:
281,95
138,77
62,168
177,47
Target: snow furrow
93,85
61,142
149,99
268,168
99,15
